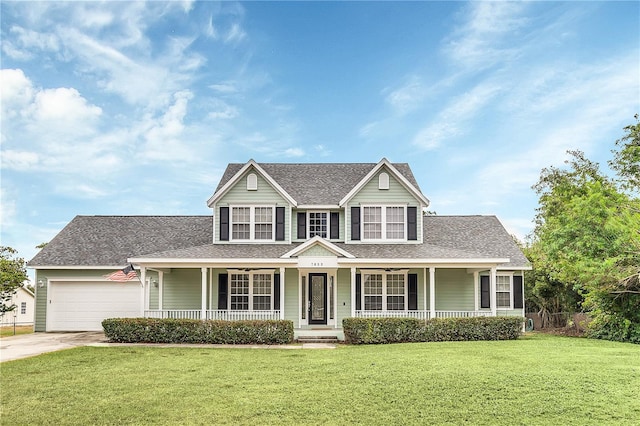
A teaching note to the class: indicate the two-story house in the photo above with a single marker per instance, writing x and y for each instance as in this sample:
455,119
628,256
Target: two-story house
311,243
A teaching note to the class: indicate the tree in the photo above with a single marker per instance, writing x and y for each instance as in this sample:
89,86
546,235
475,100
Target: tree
13,274
626,161
587,239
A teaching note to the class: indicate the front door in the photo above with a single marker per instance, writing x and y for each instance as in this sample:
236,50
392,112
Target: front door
317,298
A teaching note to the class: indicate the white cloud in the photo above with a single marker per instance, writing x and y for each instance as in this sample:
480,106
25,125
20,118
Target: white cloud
451,121
488,33
236,34
294,152
19,160
16,92
408,97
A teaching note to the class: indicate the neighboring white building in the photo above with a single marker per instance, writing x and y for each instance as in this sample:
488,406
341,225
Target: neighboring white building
23,314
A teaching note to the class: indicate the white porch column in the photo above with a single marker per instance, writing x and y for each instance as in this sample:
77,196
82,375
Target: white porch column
144,302
476,279
353,292
432,292
203,300
281,293
424,296
160,288
492,284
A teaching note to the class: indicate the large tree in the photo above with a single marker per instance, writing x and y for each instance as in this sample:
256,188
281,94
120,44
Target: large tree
587,238
13,274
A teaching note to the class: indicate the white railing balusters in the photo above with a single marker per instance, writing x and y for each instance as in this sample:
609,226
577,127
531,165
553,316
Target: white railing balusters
213,314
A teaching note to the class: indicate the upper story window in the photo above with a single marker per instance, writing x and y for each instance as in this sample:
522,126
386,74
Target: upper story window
318,224
324,224
252,223
383,223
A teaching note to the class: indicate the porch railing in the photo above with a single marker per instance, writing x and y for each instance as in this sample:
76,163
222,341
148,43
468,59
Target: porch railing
242,315
462,314
393,314
174,313
423,315
213,314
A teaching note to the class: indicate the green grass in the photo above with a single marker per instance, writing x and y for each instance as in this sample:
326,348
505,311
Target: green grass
538,379
20,329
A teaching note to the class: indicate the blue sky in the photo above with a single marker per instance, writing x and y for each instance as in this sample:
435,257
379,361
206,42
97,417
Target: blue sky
128,108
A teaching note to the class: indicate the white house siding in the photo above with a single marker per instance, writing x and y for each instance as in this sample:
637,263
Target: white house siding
16,316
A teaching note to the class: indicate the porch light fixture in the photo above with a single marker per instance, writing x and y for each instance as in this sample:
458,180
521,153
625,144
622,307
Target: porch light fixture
155,283
41,283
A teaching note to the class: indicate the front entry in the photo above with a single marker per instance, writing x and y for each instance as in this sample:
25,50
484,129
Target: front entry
317,298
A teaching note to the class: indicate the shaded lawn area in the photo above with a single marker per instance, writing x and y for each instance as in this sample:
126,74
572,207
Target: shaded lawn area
539,379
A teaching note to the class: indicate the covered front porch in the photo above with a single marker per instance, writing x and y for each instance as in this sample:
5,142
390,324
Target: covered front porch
317,296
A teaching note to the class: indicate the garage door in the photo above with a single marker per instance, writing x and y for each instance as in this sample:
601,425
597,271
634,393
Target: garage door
81,306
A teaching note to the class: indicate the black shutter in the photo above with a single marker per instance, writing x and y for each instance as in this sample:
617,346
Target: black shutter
413,292
279,223
276,292
355,223
485,292
412,223
358,292
302,225
224,223
335,226
223,280
518,299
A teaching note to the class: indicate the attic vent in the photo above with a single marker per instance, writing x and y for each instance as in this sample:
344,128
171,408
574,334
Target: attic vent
383,181
252,182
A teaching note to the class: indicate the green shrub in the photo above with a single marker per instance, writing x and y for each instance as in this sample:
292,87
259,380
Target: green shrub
153,330
397,330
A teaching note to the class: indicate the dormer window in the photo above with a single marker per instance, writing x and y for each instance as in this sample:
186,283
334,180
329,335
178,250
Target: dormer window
252,182
383,181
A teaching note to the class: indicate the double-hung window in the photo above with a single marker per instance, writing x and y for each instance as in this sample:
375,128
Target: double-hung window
252,223
384,291
503,291
384,223
251,291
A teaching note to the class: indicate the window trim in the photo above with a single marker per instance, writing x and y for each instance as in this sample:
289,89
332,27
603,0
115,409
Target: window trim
252,222
308,224
251,274
384,295
384,223
510,277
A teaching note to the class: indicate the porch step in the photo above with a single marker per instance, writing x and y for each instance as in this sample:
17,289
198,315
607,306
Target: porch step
318,339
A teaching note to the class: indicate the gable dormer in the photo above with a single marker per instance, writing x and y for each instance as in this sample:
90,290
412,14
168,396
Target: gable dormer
384,207
251,207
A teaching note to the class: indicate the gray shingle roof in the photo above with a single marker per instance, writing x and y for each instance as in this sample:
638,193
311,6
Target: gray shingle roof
111,240
317,183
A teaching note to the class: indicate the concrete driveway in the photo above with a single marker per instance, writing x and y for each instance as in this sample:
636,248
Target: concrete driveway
26,345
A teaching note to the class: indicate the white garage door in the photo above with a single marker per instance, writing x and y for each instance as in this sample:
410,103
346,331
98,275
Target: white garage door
81,306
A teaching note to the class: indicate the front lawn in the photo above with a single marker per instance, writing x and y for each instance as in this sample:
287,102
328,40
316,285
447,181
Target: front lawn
538,379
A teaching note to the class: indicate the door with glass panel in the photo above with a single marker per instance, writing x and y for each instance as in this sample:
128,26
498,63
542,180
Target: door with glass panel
317,298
